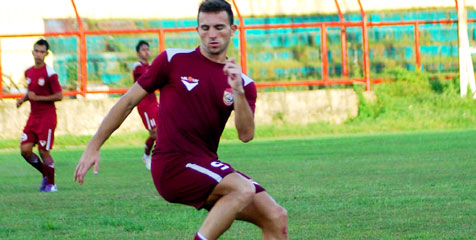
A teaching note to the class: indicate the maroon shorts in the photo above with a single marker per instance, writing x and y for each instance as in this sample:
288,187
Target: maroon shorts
190,180
40,130
149,113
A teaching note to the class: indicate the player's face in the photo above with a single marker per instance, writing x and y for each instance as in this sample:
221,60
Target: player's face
39,54
215,32
144,53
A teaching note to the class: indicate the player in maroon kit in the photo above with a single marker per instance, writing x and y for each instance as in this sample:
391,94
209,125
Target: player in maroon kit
198,90
148,108
43,90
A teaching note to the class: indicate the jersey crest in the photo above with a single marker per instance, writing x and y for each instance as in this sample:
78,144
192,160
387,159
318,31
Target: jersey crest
189,82
228,97
41,81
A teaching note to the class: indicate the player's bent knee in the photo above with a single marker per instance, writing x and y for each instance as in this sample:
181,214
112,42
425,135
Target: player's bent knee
243,190
278,216
246,192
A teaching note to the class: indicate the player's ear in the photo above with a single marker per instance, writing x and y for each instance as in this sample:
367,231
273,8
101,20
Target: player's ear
233,28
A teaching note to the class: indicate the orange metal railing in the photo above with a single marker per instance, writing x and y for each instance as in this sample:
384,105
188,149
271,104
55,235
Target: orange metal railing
325,81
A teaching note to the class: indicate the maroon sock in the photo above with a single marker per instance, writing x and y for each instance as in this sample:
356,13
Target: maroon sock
199,236
149,143
36,163
49,170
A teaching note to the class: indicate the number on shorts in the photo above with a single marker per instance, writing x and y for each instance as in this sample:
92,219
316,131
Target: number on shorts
219,164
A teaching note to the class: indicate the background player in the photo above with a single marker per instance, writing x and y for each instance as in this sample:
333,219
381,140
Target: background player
198,90
148,108
43,90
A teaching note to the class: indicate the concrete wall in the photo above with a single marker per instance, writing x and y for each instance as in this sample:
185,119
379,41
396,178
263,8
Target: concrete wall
83,116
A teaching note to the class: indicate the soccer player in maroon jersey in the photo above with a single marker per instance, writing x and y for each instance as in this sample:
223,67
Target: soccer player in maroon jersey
43,90
148,108
198,90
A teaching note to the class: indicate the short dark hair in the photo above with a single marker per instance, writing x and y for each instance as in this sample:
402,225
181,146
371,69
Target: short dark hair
42,42
216,6
141,42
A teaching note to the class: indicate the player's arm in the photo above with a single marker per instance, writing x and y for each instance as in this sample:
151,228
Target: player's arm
57,96
244,120
110,123
55,87
22,100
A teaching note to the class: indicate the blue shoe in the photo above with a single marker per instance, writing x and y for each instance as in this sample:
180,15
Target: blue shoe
43,184
50,188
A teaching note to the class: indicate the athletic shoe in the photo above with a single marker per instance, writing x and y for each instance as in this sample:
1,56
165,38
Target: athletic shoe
43,184
146,159
50,188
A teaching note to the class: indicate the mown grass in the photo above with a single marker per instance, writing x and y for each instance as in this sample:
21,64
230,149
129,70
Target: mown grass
382,186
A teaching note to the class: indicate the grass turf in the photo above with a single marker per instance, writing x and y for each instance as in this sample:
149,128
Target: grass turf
391,186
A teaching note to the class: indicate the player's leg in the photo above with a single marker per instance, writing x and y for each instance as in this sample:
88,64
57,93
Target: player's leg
33,159
49,165
149,143
231,196
49,169
264,212
28,140
148,116
46,136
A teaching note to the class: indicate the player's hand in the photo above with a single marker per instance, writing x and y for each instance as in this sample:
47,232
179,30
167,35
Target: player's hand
233,71
32,96
20,102
88,159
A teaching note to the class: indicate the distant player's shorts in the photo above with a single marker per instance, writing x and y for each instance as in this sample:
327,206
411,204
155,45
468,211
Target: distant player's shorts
149,114
40,130
190,180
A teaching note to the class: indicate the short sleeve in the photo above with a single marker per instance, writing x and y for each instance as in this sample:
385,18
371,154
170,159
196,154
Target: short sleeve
155,76
251,95
54,83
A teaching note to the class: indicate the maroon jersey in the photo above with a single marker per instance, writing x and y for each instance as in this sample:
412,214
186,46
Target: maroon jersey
42,81
138,69
195,102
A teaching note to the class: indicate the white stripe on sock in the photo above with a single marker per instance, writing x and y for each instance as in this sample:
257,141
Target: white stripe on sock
201,236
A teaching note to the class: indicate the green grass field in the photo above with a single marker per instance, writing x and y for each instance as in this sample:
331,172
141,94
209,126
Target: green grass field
391,186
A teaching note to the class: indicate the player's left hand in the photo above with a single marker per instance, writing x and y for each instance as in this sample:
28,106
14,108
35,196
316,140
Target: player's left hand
233,71
88,159
20,102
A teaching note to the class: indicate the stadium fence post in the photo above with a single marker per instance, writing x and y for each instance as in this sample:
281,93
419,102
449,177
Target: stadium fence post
242,30
343,40
325,62
1,74
365,41
417,46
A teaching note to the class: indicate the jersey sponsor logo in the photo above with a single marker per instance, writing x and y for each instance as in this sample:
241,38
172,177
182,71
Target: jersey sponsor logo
24,137
42,143
28,81
189,82
228,97
41,81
